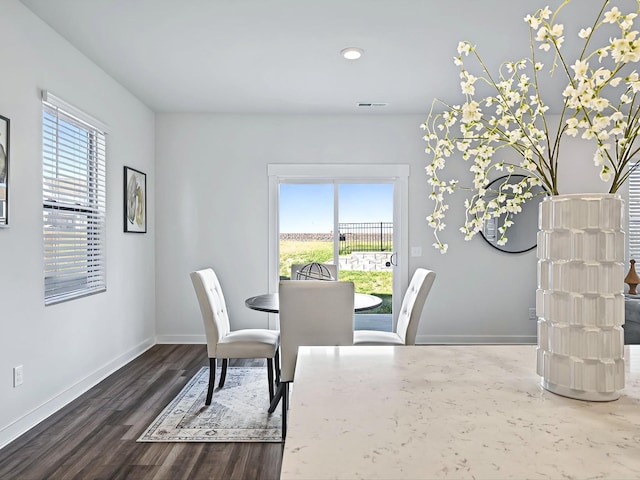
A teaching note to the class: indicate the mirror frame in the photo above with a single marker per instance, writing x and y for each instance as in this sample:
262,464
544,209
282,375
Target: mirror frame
515,178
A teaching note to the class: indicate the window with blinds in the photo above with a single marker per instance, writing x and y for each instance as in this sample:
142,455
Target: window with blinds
634,215
74,202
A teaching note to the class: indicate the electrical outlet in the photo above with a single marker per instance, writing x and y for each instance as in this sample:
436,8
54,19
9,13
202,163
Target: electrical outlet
18,376
532,314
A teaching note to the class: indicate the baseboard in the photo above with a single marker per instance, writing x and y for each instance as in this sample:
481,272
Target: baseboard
25,423
181,339
476,339
420,339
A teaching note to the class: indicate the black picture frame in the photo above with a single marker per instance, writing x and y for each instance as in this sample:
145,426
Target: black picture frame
5,140
135,201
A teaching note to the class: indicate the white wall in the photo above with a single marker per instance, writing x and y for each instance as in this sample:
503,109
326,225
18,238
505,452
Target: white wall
67,347
212,178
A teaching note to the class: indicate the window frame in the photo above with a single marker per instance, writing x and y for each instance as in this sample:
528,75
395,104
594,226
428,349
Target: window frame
73,202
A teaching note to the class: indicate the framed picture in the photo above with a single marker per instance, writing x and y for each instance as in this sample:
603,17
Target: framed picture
135,201
4,171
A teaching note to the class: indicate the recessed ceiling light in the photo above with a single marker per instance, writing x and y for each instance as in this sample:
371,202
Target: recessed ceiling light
352,53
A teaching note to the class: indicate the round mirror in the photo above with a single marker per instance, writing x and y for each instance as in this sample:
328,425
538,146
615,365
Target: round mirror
522,235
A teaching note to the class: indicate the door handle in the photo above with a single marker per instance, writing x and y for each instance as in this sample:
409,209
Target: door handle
393,260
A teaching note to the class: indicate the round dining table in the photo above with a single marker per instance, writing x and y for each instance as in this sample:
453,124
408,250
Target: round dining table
270,302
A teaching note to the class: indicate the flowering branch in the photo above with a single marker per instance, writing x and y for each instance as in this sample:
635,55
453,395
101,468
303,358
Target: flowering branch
513,117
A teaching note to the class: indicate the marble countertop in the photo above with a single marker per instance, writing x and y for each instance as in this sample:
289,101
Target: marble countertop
451,412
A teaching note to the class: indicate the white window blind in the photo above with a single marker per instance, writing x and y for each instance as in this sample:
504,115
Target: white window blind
74,202
634,215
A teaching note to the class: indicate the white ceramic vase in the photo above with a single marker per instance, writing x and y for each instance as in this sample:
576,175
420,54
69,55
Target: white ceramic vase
580,295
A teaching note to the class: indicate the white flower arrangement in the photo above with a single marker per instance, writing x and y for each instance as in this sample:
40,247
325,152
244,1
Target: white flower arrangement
600,103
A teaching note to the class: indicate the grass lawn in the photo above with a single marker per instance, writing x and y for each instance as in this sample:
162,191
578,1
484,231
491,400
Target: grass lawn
371,282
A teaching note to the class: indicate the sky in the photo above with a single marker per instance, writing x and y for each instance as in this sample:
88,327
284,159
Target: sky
308,208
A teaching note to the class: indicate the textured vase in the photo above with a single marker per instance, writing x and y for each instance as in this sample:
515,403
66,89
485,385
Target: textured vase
580,296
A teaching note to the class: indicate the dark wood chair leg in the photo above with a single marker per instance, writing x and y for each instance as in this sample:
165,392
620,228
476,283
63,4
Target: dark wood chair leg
277,361
270,377
212,380
223,373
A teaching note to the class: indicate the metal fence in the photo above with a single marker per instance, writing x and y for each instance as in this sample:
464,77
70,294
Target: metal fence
366,237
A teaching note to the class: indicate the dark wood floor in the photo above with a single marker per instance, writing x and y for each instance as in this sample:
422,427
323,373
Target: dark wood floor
94,437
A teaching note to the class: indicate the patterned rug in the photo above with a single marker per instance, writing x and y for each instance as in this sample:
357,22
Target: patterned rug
238,411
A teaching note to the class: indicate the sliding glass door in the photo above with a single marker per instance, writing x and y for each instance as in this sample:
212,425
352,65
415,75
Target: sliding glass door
354,222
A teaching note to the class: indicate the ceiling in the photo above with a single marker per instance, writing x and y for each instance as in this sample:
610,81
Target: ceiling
283,56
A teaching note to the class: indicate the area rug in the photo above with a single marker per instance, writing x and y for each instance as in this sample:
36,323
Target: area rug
238,411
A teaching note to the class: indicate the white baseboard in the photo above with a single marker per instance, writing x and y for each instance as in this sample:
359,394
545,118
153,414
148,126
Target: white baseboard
420,339
181,339
33,418
476,339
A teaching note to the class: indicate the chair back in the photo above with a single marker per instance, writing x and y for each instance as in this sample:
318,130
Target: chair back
332,269
413,303
313,313
212,306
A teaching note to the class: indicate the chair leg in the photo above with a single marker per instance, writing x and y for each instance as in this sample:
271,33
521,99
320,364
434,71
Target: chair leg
277,397
212,380
270,377
285,409
277,360
223,373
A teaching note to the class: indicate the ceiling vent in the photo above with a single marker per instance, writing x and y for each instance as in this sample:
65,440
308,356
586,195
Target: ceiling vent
371,105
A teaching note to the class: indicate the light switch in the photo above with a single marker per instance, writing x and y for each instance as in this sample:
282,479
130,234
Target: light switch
416,251
18,376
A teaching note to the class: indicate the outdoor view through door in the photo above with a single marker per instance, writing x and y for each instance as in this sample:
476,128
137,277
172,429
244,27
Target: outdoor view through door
362,248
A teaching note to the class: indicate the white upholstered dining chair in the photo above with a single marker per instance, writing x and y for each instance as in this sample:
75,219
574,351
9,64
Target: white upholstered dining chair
312,313
409,317
222,343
